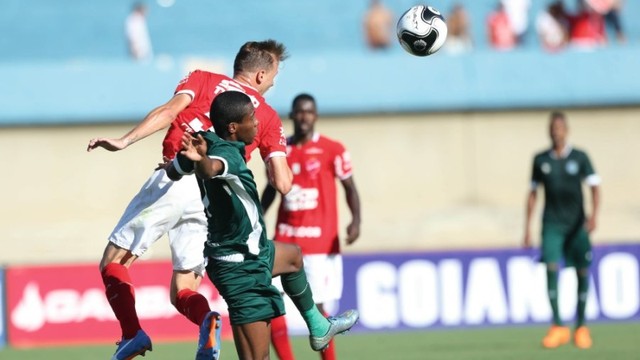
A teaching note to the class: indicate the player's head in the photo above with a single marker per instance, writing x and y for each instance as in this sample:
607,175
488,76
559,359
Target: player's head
233,116
304,114
558,128
258,63
140,7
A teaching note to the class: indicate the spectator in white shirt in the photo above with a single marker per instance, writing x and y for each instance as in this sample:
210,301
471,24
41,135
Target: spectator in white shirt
137,33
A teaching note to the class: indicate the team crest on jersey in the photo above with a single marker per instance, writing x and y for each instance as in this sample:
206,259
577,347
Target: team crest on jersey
545,168
312,166
572,167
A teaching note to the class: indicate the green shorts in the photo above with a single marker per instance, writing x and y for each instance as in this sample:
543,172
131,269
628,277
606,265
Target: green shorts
562,242
246,287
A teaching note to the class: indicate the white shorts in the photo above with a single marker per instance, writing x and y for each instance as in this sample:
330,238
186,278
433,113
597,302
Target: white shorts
324,274
163,206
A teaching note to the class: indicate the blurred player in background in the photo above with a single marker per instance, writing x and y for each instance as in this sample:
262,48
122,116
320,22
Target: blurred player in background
137,33
175,208
241,260
308,214
378,25
565,226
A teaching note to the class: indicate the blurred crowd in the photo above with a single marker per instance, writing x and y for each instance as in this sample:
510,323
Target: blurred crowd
557,27
584,24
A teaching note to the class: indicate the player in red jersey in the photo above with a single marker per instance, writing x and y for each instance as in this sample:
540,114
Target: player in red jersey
308,214
175,208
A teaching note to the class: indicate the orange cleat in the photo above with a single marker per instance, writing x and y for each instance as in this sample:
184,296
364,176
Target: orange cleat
557,335
582,338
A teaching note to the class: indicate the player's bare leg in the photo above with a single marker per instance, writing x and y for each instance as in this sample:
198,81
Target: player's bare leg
288,262
114,269
195,307
252,340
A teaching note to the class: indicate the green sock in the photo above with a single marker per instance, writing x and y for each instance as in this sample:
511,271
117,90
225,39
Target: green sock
552,291
583,291
296,286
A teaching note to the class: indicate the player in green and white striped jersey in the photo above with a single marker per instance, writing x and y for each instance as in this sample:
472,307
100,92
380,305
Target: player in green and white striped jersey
241,260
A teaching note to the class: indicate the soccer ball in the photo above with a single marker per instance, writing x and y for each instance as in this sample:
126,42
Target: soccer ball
421,30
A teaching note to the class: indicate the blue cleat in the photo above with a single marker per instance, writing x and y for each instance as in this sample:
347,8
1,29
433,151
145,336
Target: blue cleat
209,340
130,348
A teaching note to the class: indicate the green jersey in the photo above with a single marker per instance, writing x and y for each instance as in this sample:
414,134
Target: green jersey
236,227
562,180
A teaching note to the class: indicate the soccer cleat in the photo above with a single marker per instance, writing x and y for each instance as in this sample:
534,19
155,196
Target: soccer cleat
557,335
130,348
209,340
338,325
582,338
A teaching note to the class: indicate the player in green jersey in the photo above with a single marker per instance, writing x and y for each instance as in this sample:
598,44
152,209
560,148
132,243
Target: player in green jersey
241,260
565,225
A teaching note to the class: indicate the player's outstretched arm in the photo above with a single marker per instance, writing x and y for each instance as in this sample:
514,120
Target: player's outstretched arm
353,201
158,119
196,149
279,174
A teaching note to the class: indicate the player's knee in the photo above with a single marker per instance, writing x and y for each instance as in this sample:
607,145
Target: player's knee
583,272
296,259
552,267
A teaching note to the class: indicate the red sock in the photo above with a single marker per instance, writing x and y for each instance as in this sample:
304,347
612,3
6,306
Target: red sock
193,305
121,297
280,338
330,352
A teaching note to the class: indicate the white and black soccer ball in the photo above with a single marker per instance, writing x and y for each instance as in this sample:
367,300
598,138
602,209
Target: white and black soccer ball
422,30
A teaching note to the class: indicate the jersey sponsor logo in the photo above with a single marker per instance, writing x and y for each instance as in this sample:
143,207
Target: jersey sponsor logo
572,167
299,198
299,231
283,139
545,168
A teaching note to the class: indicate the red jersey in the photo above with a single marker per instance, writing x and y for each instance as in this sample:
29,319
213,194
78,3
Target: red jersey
587,29
308,214
203,87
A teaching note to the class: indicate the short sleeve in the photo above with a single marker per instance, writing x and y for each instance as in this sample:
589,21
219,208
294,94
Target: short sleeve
190,84
342,162
271,138
230,157
536,174
588,173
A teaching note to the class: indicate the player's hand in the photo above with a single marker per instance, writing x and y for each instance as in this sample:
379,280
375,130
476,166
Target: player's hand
191,147
163,165
591,224
107,144
201,145
353,232
527,241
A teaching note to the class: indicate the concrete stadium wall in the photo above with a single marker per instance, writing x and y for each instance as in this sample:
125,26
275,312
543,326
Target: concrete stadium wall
427,181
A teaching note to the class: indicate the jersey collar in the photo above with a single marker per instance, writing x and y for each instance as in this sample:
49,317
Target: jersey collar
563,155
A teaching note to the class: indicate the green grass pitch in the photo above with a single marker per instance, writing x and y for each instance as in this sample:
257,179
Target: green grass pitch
611,341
